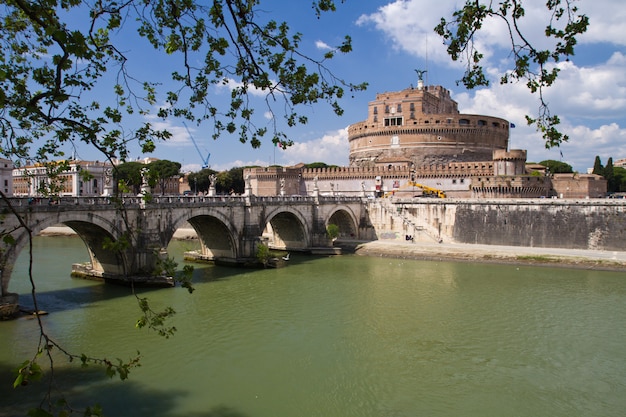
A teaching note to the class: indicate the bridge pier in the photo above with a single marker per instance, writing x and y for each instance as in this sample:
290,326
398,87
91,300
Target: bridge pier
9,306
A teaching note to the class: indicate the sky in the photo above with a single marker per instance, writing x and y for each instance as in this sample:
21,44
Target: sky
391,39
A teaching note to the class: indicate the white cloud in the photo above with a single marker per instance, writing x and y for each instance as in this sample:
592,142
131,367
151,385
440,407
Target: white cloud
322,45
409,24
332,148
180,136
239,163
591,92
606,141
590,101
190,168
607,21
231,84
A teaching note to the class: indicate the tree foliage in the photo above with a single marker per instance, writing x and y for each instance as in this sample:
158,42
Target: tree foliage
557,167
615,176
619,177
230,181
161,170
598,169
319,165
200,181
532,62
609,175
55,54
128,176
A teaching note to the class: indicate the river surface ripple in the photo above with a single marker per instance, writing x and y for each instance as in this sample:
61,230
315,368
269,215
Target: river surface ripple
335,336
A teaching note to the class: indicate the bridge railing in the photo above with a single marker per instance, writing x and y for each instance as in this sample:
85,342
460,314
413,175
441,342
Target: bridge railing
47,203
22,202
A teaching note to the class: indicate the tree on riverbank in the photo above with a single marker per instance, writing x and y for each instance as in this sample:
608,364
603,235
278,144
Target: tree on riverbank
615,176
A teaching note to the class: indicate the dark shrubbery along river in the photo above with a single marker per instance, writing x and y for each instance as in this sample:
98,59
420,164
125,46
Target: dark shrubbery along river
334,336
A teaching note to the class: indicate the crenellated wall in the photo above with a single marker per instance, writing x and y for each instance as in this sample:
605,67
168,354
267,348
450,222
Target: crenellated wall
457,179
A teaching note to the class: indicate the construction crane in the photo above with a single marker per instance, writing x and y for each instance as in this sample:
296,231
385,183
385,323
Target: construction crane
205,161
426,190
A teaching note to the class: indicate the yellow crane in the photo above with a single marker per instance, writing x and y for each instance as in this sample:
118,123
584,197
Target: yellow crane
426,190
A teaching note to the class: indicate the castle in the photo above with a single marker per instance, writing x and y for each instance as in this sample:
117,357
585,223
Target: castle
417,136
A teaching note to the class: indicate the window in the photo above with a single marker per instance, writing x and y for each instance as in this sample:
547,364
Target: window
412,107
375,110
399,108
393,121
464,122
482,123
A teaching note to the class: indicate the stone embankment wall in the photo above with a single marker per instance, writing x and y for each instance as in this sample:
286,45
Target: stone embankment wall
574,224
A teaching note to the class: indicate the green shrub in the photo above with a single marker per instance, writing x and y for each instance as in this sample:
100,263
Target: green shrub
332,230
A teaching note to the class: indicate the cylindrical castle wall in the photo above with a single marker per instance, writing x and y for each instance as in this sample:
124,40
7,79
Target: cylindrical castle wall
443,138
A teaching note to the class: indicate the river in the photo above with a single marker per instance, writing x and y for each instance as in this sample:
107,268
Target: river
334,336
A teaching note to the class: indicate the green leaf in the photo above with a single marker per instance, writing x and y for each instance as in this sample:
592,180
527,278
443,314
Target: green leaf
8,239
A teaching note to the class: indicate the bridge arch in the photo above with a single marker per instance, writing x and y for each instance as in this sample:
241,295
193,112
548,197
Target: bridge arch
215,233
285,228
345,219
93,231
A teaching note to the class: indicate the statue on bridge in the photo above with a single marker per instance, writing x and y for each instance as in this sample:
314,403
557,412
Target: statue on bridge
212,182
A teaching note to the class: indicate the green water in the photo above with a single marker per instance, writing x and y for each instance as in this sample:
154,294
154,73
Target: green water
337,336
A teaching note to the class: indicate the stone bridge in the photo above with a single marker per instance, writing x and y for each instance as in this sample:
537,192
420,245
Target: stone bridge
127,241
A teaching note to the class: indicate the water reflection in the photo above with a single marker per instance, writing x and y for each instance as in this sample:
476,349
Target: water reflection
350,336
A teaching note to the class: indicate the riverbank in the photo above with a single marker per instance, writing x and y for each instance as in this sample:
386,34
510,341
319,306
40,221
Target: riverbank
180,234
569,258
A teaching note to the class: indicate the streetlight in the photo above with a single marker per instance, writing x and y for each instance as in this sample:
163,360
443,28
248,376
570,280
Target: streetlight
413,178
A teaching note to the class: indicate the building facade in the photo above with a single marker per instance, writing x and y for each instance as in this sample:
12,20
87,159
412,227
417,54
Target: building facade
6,176
422,126
578,186
415,141
82,179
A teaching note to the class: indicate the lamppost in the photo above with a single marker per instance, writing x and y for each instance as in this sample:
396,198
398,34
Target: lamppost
413,177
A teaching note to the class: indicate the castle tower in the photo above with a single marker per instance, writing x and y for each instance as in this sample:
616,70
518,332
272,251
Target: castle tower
423,126
511,162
